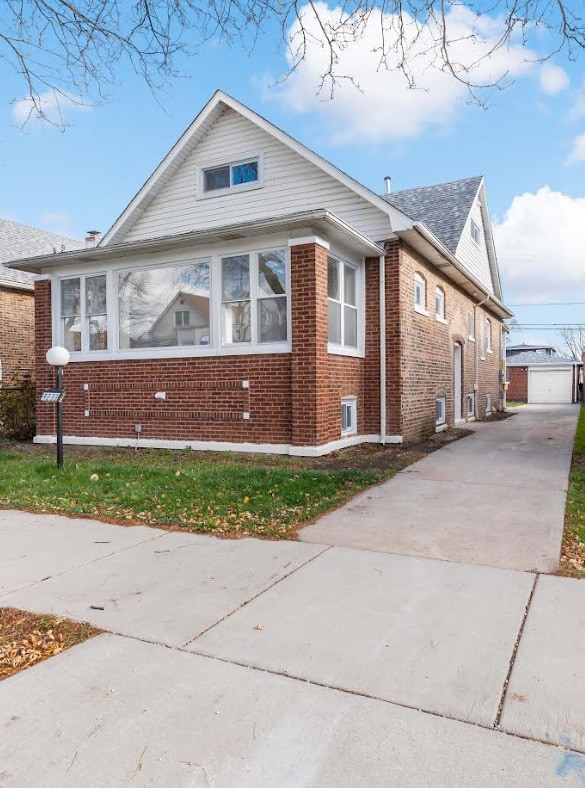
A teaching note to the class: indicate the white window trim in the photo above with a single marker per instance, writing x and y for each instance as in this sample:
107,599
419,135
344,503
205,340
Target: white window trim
350,402
440,316
335,349
441,421
471,324
489,332
470,411
59,334
240,187
420,311
472,227
215,348
421,308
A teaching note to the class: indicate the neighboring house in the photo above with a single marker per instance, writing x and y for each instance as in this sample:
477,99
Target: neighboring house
17,337
538,374
252,296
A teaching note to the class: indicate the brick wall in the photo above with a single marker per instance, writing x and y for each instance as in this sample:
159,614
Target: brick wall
17,333
518,388
426,361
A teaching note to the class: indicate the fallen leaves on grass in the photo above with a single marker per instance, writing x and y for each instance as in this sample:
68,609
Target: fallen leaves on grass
28,638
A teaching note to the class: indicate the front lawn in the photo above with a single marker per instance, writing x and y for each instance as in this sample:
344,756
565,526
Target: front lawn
573,553
231,495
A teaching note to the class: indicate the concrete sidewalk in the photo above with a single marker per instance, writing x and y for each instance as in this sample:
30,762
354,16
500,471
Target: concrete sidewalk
257,663
495,498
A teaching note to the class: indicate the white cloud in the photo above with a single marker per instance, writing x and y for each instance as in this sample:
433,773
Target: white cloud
578,150
553,79
47,109
386,108
539,245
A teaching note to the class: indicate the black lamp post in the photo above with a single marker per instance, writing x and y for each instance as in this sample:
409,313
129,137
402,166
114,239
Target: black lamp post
58,357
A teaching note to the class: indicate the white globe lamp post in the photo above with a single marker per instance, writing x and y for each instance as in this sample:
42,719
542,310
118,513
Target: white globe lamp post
58,357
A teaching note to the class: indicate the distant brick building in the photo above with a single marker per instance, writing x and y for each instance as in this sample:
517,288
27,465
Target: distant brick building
17,334
252,296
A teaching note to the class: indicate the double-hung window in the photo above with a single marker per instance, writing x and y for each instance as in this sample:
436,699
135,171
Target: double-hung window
420,293
84,313
254,298
342,302
440,303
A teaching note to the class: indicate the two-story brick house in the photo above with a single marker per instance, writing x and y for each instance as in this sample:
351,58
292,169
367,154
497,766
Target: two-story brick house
252,296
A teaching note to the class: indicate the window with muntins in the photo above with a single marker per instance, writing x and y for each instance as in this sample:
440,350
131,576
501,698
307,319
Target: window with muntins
342,303
83,313
420,292
240,300
231,176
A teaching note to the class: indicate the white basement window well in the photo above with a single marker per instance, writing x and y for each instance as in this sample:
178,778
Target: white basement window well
348,416
235,176
344,306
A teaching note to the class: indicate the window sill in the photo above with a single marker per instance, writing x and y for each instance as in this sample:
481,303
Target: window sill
442,320
340,350
491,352
242,187
441,427
348,433
185,351
471,339
419,310
482,358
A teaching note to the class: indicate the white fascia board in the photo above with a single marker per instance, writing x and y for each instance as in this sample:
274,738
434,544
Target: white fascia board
494,303
10,285
190,138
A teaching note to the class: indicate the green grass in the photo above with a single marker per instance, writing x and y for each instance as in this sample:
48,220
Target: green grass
574,536
226,496
512,403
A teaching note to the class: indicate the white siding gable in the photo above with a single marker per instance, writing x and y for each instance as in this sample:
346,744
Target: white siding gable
475,256
291,183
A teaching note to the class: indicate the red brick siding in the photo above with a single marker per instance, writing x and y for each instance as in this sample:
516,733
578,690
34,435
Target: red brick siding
428,346
16,333
518,388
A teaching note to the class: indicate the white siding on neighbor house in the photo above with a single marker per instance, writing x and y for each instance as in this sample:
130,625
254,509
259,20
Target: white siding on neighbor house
474,257
290,184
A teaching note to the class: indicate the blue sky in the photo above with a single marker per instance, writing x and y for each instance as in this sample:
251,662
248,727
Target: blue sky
526,143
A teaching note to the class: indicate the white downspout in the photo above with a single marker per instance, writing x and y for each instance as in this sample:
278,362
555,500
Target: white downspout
382,274
476,363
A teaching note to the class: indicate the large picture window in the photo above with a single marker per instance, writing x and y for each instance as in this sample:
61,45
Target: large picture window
84,313
164,307
342,292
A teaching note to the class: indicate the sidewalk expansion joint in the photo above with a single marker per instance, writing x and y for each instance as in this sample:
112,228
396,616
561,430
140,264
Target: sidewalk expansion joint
513,656
263,591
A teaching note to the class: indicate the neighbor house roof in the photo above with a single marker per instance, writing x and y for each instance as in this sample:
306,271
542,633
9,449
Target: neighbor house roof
18,241
530,357
444,207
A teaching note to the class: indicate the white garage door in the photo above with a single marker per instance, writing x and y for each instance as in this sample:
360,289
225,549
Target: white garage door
550,386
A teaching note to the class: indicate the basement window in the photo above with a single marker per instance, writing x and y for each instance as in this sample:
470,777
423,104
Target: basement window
349,416
470,399
488,404
441,413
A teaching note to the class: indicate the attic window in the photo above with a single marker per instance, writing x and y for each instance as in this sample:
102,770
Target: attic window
237,175
476,232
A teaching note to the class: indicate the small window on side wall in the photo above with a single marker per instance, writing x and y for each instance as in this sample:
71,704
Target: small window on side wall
470,326
420,293
441,413
231,176
488,333
470,404
440,303
488,404
348,416
476,232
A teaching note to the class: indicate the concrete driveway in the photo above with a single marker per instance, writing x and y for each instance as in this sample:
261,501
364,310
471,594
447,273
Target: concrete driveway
495,498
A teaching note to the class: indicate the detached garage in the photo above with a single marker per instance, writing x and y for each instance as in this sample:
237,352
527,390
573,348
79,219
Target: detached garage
541,376
550,385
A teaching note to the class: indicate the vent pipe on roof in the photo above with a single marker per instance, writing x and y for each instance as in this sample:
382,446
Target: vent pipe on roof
388,182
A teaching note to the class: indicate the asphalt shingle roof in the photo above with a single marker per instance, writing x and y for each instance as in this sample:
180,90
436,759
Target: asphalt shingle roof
18,241
533,357
444,207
